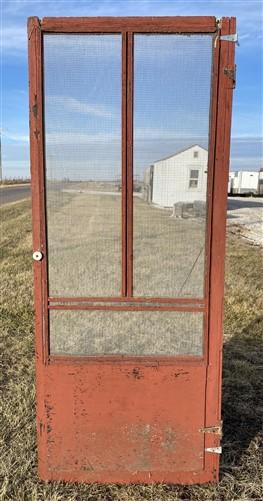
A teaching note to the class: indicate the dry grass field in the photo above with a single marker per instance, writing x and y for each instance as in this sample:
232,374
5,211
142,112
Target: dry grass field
242,459
85,245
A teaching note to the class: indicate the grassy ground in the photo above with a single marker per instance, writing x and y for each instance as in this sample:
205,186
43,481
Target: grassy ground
14,181
85,246
241,467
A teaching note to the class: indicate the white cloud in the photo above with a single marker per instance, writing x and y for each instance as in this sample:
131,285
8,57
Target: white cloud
247,138
21,138
72,104
141,134
151,133
13,39
246,163
80,138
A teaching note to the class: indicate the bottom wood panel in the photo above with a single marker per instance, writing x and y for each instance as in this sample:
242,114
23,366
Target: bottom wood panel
123,423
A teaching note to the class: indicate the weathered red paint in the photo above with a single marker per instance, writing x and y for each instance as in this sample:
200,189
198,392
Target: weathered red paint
124,164
130,81
124,435
128,299
221,167
121,418
125,307
167,24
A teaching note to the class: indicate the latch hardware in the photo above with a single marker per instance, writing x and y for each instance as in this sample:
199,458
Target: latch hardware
215,450
37,256
230,38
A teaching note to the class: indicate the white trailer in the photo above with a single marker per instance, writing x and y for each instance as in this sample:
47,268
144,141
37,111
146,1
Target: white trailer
245,182
230,182
260,182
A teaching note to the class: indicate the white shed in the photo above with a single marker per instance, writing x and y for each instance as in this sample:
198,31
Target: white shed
181,177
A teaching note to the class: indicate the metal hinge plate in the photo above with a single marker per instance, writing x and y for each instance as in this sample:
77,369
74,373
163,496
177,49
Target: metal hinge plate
229,38
215,450
231,73
216,430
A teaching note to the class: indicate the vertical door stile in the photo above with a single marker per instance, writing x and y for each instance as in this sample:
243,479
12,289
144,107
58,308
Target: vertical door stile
38,181
211,160
130,87
124,164
222,147
37,173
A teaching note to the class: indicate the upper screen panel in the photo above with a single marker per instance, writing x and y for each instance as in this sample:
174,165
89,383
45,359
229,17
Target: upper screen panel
82,102
172,87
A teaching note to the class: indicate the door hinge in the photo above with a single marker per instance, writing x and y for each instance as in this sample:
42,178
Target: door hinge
215,450
231,73
216,430
230,38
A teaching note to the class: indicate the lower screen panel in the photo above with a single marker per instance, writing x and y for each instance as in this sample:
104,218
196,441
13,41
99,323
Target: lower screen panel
126,332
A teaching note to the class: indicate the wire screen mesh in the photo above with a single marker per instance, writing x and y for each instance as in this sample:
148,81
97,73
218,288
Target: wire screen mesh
126,332
172,81
82,101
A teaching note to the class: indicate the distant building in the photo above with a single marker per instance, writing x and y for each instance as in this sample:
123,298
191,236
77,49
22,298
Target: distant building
260,182
181,177
244,182
230,182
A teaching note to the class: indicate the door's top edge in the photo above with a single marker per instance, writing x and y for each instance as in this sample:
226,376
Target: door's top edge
130,17
186,24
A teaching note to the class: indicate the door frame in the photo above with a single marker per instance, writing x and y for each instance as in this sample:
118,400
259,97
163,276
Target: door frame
218,164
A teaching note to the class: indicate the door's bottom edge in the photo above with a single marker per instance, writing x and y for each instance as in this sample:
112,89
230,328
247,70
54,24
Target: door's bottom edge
124,477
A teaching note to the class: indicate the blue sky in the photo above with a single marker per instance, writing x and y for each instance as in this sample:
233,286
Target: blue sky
247,129
82,86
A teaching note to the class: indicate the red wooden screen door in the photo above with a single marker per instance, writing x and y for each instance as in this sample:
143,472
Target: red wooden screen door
130,127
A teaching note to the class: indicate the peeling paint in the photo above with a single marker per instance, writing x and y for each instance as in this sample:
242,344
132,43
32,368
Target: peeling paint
169,440
136,373
42,428
35,108
181,373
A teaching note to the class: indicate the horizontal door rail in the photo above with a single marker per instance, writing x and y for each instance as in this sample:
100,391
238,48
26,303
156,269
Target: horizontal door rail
179,24
143,360
128,307
126,299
